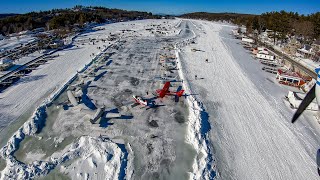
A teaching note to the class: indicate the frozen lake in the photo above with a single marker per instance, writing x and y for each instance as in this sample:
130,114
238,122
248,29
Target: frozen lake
251,135
145,150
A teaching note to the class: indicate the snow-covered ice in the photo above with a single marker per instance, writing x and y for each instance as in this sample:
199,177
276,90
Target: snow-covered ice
251,136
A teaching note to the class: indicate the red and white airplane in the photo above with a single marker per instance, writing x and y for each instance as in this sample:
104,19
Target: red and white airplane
144,102
165,91
140,100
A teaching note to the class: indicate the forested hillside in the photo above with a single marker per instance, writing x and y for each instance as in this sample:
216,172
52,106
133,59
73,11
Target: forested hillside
66,18
281,22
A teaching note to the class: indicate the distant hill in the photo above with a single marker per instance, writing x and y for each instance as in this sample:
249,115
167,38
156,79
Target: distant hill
67,18
231,17
282,22
7,15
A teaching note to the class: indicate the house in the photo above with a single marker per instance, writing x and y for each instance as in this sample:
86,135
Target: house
305,52
5,63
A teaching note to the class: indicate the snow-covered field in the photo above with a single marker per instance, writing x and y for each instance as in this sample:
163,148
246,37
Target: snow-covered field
251,131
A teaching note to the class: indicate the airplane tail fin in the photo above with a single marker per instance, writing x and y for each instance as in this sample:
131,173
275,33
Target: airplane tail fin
180,93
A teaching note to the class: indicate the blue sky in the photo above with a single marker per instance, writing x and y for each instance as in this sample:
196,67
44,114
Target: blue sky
169,6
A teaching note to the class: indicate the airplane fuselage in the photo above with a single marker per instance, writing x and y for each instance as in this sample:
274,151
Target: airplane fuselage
140,101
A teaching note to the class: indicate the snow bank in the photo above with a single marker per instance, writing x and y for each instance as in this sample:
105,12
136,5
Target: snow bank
130,158
195,137
95,157
29,128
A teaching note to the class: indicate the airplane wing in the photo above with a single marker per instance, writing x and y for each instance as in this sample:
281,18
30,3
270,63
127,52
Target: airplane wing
113,115
72,99
88,111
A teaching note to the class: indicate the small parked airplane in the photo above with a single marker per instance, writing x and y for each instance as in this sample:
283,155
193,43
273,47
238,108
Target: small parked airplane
165,91
94,115
143,102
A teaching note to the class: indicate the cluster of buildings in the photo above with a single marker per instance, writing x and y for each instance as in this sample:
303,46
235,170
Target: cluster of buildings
285,73
293,45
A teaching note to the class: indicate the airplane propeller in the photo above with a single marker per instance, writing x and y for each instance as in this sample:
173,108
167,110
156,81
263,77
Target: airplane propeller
305,103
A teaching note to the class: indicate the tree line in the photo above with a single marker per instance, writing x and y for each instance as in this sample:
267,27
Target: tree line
66,18
282,23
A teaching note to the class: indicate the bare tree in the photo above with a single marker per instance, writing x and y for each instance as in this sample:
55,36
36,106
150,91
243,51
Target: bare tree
304,28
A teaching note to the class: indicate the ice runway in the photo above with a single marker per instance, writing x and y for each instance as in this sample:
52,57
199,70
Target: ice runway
252,139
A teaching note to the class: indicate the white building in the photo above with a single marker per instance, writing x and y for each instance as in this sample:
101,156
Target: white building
305,52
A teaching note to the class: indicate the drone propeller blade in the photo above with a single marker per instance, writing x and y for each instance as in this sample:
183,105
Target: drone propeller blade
304,104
